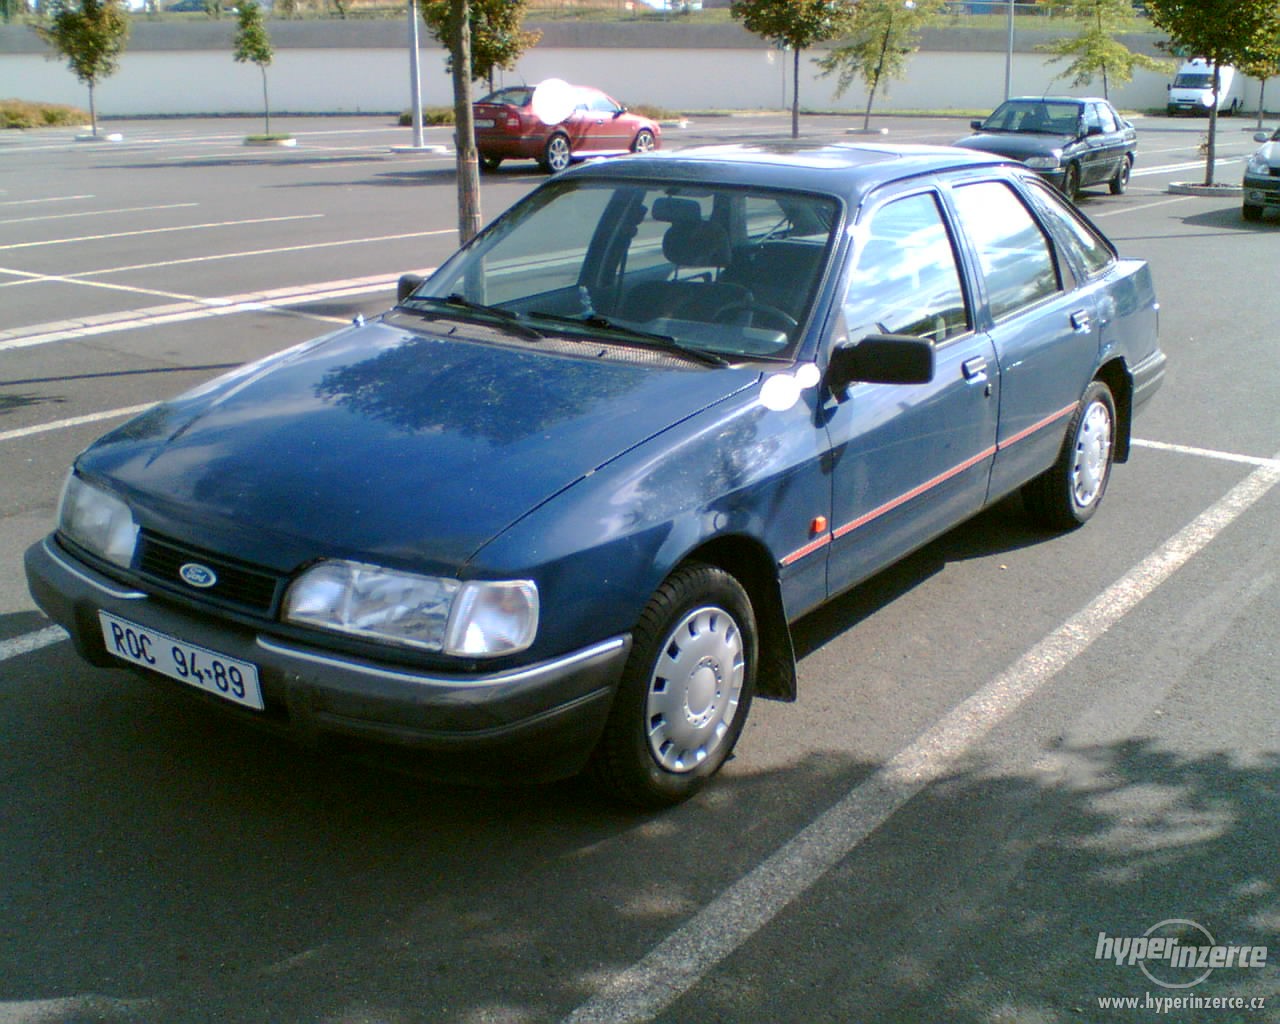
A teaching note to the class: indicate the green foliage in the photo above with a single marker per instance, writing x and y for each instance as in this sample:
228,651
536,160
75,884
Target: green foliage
877,40
1096,52
497,38
91,34
252,43
796,24
430,116
21,114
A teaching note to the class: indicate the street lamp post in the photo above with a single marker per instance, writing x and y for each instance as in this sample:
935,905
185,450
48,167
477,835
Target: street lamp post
1008,56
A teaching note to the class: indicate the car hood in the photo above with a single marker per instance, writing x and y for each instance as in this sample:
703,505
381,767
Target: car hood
391,444
1015,145
1269,154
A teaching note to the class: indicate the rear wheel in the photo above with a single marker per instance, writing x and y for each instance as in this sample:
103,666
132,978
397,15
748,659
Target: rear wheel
685,692
1070,491
489,164
557,154
1121,180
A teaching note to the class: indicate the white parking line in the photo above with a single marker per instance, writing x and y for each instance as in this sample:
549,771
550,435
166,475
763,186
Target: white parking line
29,642
98,213
683,958
48,199
74,421
160,231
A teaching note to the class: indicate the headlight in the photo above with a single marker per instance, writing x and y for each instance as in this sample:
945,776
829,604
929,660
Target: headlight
479,618
97,521
1044,163
1258,164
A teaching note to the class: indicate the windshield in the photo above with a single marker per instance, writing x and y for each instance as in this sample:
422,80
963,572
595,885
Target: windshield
701,268
1196,81
1035,116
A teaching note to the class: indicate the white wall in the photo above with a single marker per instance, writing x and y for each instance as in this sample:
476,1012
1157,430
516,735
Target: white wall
351,80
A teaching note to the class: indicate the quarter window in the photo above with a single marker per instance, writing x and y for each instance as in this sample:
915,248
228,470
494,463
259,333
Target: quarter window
906,279
1015,254
1093,252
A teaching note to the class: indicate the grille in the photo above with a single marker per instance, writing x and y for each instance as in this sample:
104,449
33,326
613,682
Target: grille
239,585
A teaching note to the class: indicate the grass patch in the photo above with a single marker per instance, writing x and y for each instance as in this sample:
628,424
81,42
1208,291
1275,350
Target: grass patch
430,116
25,114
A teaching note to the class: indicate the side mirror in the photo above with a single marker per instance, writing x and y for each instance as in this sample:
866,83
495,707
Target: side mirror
881,359
1261,137
1093,129
975,125
407,285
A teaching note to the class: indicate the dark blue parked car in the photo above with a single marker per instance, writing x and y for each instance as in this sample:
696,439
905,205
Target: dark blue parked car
557,509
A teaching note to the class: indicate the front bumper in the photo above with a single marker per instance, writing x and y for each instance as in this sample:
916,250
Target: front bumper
1262,190
533,723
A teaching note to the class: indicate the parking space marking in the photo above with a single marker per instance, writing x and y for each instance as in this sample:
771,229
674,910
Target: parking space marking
29,642
46,199
642,991
160,231
1207,453
27,277
97,213
74,421
275,299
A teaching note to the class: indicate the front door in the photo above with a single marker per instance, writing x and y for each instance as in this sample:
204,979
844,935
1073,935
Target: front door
908,461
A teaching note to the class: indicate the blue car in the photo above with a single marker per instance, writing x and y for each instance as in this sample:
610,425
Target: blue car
557,509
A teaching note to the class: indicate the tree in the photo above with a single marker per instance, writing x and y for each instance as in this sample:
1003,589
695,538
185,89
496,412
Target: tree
1235,32
454,32
1262,67
497,36
1096,51
91,34
253,46
878,38
797,25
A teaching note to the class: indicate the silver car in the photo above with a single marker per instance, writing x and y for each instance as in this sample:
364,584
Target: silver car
1262,177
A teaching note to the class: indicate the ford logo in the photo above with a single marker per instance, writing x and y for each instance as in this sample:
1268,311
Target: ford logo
198,575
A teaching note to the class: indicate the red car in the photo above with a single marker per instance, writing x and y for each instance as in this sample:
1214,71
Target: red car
598,125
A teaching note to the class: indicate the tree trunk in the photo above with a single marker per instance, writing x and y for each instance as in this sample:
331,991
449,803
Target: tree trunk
266,107
1211,149
93,112
468,162
795,97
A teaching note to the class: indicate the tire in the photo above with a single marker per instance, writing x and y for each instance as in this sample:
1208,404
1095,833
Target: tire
1069,492
489,164
643,142
1120,182
1249,212
557,155
1071,181
685,691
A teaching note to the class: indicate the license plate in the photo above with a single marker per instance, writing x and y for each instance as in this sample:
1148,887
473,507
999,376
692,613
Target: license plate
229,678
484,122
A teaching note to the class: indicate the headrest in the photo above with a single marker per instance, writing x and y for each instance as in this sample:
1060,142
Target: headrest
672,210
696,245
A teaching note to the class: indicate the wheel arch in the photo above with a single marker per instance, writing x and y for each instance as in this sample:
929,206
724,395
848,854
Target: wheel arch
751,565
1116,376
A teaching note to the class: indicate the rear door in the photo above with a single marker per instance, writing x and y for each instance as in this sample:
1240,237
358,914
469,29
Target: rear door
1045,329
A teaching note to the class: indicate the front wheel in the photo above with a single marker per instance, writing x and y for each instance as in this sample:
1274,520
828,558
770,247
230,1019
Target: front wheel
557,154
685,692
1121,180
643,142
1071,181
1068,493
1251,212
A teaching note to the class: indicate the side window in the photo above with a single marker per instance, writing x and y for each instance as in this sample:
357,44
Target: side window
1091,118
906,279
1015,254
1106,118
1092,252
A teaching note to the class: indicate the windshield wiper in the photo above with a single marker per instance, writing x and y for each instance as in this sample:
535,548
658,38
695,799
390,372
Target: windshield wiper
458,303
635,336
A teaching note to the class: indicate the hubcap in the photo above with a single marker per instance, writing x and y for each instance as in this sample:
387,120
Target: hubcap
695,689
1093,451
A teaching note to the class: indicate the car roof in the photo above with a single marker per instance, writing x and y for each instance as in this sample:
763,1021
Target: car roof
1056,99
850,169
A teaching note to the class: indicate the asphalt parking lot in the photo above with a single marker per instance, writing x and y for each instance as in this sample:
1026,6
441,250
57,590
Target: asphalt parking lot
1006,747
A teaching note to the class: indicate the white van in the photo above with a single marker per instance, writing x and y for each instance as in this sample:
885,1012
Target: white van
1192,89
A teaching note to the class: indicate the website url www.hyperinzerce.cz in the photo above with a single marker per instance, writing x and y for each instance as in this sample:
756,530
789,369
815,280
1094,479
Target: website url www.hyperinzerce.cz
1171,1004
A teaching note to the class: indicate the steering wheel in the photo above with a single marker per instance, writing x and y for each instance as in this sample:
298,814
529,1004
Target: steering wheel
755,309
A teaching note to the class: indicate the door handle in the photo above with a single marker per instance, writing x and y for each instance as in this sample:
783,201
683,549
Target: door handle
1081,321
975,368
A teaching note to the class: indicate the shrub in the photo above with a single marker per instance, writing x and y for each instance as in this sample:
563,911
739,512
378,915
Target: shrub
24,114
